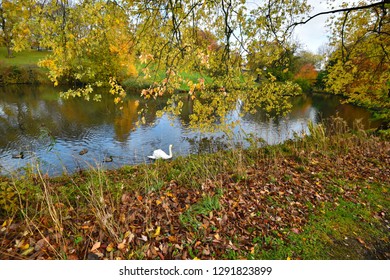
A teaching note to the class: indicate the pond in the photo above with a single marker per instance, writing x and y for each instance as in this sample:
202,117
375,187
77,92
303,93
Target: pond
51,132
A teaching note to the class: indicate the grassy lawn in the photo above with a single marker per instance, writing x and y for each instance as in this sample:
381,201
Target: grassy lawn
23,58
321,197
141,82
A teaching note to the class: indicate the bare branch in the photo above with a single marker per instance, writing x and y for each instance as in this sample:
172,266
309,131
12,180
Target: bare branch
382,3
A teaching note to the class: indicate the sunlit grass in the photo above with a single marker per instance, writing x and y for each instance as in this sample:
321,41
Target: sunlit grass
157,75
23,58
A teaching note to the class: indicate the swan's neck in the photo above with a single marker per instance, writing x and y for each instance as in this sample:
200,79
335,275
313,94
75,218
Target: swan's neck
170,151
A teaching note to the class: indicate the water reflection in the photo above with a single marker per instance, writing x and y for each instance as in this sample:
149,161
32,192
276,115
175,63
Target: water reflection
51,132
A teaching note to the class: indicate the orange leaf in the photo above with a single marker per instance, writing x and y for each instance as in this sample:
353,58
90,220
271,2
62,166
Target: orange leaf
172,238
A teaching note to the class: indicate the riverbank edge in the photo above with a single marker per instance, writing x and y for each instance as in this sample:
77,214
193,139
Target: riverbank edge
322,197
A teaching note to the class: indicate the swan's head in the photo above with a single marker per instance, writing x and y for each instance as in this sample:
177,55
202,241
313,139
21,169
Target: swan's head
170,146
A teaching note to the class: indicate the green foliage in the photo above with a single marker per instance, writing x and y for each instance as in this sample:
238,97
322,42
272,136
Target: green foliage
305,84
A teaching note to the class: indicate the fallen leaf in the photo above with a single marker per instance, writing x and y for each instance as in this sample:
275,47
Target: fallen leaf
110,247
144,238
24,246
157,233
361,241
28,251
122,218
126,198
295,230
95,246
172,238
7,222
72,257
41,244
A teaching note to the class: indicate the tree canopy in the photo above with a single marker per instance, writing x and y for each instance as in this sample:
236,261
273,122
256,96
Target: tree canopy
359,67
245,49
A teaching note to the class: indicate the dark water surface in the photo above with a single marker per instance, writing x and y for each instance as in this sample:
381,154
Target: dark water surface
51,131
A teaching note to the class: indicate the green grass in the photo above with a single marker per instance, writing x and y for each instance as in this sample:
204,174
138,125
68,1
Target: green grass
208,204
141,82
23,58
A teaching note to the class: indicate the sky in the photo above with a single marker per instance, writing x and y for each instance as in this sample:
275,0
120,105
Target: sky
314,34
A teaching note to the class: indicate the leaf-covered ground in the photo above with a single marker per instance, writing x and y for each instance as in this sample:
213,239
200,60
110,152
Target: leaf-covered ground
315,198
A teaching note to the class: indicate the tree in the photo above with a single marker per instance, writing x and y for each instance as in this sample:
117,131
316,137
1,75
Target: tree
360,65
92,46
14,24
170,33
306,77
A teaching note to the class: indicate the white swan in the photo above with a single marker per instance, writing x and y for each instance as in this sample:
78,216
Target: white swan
161,154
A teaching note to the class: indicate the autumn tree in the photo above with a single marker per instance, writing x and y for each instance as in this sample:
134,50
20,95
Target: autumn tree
14,24
239,31
360,65
92,45
94,42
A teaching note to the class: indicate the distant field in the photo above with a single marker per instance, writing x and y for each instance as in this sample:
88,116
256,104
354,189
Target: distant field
27,57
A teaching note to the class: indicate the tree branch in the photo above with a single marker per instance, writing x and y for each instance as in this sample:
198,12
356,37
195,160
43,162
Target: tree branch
382,3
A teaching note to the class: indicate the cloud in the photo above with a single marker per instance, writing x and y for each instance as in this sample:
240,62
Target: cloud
314,34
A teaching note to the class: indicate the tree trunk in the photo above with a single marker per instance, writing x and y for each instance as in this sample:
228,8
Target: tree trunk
9,52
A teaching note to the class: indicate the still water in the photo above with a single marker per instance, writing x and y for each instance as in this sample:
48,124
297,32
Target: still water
51,131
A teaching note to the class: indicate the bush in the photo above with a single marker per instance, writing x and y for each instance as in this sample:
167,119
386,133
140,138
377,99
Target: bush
304,84
21,75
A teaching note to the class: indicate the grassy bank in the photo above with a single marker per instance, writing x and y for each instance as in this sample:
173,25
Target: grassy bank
323,197
22,68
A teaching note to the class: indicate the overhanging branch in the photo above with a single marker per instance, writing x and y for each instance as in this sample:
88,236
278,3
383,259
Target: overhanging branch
381,3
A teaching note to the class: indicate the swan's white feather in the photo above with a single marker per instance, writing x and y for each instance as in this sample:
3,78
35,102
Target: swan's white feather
161,154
